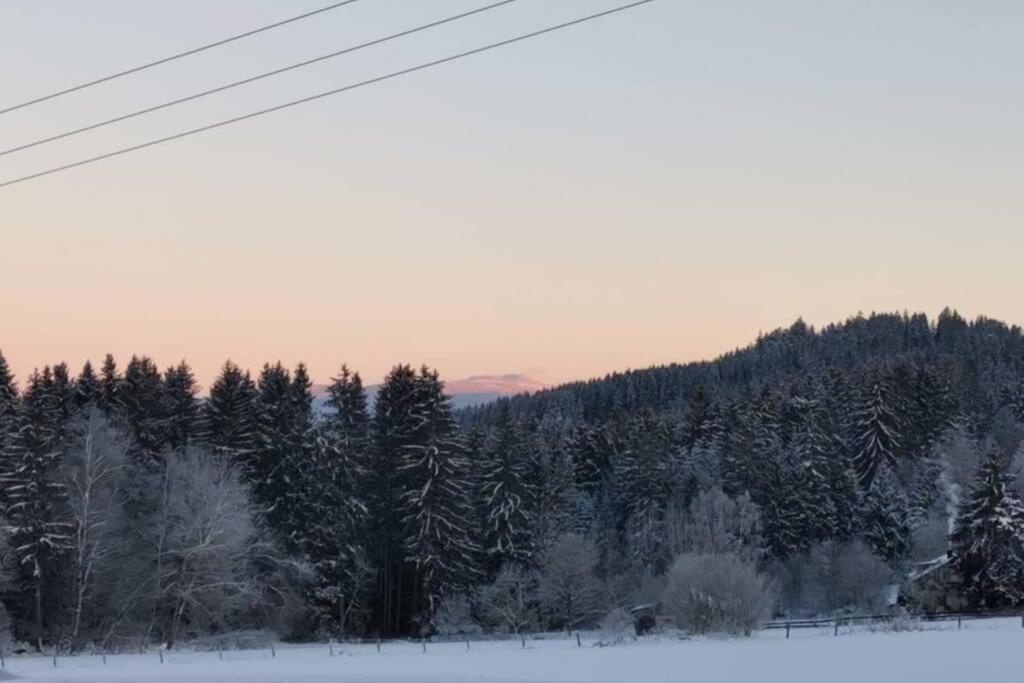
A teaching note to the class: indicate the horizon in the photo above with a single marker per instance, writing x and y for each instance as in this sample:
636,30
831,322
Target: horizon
506,383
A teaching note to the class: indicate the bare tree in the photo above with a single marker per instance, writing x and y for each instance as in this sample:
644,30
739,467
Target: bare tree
93,471
509,600
722,592
716,523
847,575
201,537
569,592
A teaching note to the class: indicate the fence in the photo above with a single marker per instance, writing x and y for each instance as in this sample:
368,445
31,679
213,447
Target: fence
836,622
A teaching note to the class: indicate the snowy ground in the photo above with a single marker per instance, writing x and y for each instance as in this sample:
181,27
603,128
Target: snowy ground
983,652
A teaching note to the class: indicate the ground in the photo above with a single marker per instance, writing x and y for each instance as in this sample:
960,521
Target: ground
983,652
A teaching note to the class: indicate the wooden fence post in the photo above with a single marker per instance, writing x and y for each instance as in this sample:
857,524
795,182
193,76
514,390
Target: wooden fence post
161,653
378,645
578,644
104,659
958,622
787,630
273,652
54,656
423,642
836,631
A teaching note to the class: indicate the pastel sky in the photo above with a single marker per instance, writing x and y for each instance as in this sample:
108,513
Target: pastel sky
658,186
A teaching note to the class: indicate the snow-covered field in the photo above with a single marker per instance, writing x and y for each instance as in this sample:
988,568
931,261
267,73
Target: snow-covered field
983,652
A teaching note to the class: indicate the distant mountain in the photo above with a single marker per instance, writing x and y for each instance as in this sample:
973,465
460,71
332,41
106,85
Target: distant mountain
466,393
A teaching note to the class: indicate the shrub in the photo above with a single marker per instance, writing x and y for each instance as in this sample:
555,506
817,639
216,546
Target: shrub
717,593
454,617
618,627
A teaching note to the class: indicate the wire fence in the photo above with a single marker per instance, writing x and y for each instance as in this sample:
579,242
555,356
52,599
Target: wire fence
870,619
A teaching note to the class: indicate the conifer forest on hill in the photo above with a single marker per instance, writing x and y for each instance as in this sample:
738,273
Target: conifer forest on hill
809,472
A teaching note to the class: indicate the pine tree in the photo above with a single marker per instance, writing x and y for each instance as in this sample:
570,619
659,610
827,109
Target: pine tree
87,388
877,431
885,517
337,487
34,502
283,427
182,407
228,421
987,543
394,428
436,501
110,386
506,493
141,399
8,402
643,476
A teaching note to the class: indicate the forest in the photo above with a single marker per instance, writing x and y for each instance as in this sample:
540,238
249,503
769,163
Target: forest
805,474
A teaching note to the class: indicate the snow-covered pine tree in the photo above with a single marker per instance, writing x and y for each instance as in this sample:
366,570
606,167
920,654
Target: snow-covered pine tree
110,386
336,535
87,388
394,425
559,500
141,401
885,517
34,503
506,494
643,476
813,451
8,401
227,419
876,430
283,427
62,392
987,543
182,406
436,501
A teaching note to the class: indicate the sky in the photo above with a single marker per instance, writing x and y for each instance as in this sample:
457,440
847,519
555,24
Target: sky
657,186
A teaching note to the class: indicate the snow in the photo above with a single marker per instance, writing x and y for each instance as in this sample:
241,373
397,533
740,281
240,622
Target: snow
983,652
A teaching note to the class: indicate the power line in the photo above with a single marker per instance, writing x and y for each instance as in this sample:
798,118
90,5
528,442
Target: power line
186,53
268,74
328,93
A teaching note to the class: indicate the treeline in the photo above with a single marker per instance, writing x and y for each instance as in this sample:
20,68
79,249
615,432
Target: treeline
806,472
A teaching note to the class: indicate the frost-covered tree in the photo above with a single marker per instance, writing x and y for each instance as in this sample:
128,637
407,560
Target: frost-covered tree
199,542
569,592
508,601
717,523
717,593
93,475
987,544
